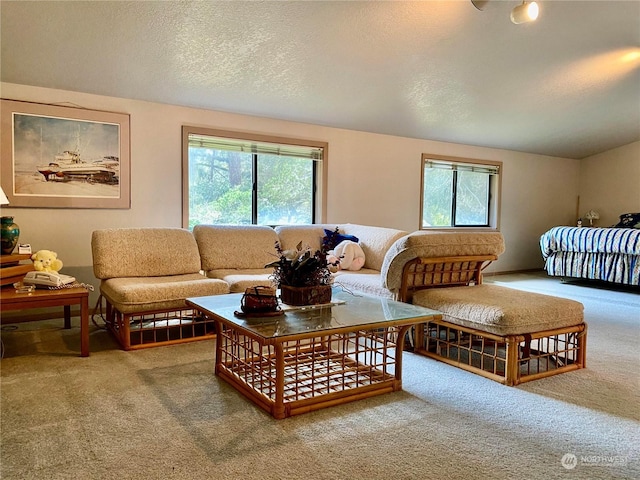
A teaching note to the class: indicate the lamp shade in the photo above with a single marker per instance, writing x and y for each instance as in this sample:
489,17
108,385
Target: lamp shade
592,215
527,12
3,198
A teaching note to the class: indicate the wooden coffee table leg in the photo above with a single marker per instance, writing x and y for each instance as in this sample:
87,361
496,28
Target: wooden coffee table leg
402,331
279,410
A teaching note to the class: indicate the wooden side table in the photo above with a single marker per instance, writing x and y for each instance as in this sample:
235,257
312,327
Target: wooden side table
43,298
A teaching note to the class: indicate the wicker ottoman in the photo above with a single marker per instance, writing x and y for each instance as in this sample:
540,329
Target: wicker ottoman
501,333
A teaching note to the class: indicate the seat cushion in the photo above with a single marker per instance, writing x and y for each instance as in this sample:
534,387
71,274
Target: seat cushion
501,310
140,294
240,280
365,281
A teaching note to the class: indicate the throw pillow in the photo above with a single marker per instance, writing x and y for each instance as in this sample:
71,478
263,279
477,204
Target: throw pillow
333,238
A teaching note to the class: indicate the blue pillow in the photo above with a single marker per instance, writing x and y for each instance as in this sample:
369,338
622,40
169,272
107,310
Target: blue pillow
333,238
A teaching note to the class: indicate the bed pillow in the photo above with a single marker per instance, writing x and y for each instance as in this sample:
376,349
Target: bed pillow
628,220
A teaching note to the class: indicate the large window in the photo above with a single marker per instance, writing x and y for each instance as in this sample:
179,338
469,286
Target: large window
235,178
459,193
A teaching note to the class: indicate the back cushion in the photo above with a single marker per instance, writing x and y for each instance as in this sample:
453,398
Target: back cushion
143,252
375,241
309,235
235,246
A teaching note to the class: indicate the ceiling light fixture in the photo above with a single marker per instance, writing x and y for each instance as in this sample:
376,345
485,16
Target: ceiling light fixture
527,12
479,4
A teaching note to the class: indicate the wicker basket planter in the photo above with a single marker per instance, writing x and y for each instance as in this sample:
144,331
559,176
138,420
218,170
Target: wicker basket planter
305,295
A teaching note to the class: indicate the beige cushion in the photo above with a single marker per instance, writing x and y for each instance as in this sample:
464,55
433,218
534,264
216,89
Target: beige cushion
132,294
501,310
363,281
375,242
436,244
144,252
235,246
240,280
309,235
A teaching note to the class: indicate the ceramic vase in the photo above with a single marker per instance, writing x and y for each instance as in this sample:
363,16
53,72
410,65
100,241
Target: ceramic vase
10,235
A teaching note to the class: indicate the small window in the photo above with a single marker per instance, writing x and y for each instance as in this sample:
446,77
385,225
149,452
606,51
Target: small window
235,178
459,193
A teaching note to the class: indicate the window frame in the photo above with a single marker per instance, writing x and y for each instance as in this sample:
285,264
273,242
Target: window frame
320,172
495,192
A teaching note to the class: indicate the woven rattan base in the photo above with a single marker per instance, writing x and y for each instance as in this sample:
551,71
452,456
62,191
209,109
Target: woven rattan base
160,327
313,356
288,378
510,360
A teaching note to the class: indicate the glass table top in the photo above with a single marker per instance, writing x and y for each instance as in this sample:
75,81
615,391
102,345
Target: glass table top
347,310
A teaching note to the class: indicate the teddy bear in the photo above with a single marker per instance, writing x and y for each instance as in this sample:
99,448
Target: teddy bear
46,261
350,254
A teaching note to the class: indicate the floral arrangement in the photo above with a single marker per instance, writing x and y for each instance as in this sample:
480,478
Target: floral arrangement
301,267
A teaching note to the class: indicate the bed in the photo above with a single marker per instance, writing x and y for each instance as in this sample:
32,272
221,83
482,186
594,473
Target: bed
610,254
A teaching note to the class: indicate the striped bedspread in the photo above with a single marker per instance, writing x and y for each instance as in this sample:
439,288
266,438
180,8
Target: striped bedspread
610,254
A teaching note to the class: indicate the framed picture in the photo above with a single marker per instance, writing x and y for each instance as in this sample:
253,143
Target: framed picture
64,157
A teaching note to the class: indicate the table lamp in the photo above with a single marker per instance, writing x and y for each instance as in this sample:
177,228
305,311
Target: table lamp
592,215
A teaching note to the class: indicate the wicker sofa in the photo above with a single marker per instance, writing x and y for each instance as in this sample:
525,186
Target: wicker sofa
146,273
500,333
238,254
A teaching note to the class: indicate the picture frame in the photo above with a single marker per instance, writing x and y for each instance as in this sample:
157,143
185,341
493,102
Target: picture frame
55,156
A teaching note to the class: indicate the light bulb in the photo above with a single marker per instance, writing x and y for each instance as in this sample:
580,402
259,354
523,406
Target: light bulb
527,12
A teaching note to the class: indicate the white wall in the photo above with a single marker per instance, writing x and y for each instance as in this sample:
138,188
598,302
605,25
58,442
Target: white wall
610,184
373,179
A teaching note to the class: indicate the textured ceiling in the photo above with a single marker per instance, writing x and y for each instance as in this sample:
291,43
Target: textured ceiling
437,70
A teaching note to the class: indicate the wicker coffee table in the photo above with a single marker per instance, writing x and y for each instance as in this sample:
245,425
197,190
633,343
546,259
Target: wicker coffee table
314,357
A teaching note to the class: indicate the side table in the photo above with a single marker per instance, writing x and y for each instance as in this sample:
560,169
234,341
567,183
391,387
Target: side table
43,298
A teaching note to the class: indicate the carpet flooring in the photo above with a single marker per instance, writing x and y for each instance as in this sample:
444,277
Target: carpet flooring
161,413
